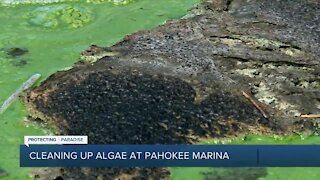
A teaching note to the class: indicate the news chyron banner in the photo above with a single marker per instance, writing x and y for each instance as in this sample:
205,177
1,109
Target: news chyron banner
74,151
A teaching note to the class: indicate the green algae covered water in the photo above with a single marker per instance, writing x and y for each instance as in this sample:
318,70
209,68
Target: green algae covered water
45,38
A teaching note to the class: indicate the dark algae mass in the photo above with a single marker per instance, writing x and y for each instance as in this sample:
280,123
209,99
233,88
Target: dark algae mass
135,106
3,173
15,51
235,173
227,69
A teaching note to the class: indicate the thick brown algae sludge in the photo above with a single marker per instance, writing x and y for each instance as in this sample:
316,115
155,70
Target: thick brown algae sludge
185,80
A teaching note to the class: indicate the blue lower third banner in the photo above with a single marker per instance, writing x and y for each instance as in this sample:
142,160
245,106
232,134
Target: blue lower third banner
170,156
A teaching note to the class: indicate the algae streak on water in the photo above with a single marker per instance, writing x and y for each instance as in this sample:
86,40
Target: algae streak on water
54,35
